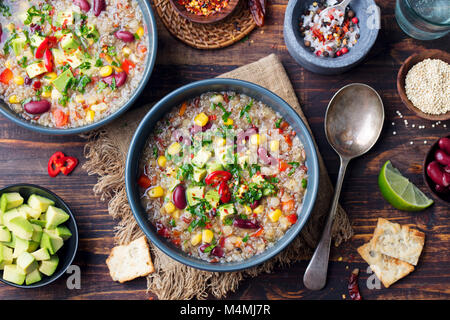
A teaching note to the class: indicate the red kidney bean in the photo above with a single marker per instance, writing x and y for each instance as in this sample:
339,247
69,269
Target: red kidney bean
217,251
245,224
28,80
99,6
254,204
83,4
207,126
125,36
447,169
203,247
441,157
37,107
120,78
444,145
441,189
268,160
179,197
435,172
35,28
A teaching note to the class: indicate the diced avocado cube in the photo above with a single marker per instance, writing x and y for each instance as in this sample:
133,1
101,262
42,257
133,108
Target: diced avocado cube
64,18
213,166
33,246
51,242
10,200
69,42
242,160
63,232
55,216
35,69
13,274
33,277
21,227
226,210
63,80
37,233
92,32
5,234
194,192
258,179
39,203
224,155
6,256
41,254
39,222
48,267
199,174
201,158
36,40
26,262
75,59
21,246
11,214
29,211
12,242
59,56
18,44
213,197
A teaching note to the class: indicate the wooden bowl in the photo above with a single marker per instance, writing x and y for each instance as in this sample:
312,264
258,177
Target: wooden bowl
444,197
401,76
215,17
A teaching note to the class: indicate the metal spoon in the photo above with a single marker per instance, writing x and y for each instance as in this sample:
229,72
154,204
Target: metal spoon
353,123
340,6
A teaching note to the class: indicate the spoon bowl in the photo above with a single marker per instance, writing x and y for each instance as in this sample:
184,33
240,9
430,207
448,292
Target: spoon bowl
354,120
353,123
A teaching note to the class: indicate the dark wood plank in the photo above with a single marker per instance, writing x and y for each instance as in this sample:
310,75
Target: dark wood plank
24,155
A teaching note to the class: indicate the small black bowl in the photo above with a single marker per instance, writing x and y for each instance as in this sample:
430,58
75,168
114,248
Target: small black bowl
68,251
444,197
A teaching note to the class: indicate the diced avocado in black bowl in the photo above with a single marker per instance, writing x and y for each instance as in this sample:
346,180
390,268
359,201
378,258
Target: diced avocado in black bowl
38,236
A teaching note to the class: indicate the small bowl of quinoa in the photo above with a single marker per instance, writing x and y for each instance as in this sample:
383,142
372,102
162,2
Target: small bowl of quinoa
330,41
423,83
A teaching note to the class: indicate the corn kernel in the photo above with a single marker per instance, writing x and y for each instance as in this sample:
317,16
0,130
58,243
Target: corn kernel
220,142
229,122
259,209
8,64
274,145
79,98
140,32
108,58
275,215
46,94
126,51
162,161
248,210
201,119
14,99
314,4
90,114
169,207
255,139
91,41
196,239
50,76
10,27
19,80
91,100
174,148
156,192
105,71
117,69
176,214
207,236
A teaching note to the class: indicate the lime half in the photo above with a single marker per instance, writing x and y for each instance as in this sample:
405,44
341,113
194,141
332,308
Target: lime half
399,192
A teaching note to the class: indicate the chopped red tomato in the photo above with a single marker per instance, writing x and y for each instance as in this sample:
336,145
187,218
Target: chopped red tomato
224,192
292,218
144,182
6,76
127,65
61,118
282,165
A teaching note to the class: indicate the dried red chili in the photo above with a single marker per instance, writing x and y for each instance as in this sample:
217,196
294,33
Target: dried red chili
203,7
353,288
258,11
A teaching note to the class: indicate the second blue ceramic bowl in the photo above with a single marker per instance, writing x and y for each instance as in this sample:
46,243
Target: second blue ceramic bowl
188,92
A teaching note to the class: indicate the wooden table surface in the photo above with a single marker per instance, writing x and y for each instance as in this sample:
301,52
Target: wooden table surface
24,155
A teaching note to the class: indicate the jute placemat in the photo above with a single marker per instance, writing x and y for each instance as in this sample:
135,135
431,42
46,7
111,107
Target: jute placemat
206,36
106,153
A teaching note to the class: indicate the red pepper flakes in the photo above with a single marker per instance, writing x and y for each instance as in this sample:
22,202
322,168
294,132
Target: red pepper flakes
353,288
203,7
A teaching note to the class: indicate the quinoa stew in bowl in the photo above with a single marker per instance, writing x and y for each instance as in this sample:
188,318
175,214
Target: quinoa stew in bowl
71,66
221,174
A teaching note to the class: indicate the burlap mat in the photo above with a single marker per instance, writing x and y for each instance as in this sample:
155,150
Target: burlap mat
106,153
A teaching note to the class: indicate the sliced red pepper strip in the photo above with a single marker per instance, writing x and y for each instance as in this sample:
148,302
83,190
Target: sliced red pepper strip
46,44
67,164
224,192
216,177
48,60
53,166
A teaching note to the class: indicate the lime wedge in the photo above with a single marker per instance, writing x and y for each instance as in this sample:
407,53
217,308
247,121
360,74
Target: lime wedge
399,192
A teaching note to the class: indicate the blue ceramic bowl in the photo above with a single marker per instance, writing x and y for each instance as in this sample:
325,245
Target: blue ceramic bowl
150,23
188,92
369,16
68,251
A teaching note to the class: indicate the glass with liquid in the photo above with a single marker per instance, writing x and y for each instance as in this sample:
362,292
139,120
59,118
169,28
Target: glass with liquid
423,19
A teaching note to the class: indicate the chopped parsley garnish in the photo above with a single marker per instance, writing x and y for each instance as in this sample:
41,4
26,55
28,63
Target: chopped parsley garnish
278,123
155,151
4,9
245,111
304,183
294,165
186,171
99,63
226,114
228,221
101,86
245,239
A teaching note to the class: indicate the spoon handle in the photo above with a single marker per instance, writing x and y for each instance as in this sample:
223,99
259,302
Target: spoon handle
315,276
344,3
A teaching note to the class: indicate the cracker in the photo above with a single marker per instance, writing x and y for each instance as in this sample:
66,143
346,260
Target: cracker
387,269
129,262
398,241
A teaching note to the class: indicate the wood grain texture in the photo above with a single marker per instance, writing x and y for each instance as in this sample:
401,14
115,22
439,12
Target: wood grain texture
24,155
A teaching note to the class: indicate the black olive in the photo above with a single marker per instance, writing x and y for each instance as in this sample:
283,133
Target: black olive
307,43
312,49
326,54
357,36
351,13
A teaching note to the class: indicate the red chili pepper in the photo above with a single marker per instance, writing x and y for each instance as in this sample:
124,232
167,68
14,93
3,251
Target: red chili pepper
48,60
46,44
67,164
224,192
217,177
53,166
353,287
144,182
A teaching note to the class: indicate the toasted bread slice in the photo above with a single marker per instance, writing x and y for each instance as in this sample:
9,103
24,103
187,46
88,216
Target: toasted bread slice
398,241
387,269
128,262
